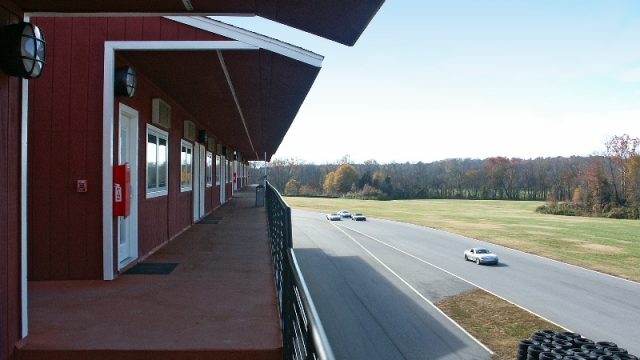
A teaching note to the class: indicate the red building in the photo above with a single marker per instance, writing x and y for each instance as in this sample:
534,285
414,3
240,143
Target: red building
231,95
204,92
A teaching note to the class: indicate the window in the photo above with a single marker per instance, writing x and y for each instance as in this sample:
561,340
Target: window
209,169
157,161
218,169
186,166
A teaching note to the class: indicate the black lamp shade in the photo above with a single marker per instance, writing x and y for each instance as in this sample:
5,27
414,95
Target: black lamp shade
22,50
125,82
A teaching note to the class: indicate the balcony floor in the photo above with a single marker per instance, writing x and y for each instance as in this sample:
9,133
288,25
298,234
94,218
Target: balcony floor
218,303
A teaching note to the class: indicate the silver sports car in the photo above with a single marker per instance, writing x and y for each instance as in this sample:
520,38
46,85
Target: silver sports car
480,256
334,217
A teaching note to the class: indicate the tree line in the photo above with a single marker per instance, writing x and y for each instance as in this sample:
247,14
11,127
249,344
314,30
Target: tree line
600,185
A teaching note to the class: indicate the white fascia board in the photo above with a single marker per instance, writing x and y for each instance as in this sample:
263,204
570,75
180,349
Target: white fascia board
127,14
245,36
178,45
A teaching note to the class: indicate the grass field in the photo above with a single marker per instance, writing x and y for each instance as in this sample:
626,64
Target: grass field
607,245
495,322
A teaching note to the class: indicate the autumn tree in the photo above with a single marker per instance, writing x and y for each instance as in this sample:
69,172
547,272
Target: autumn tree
278,173
329,184
292,187
620,149
497,169
455,176
597,186
633,181
377,179
365,179
308,190
346,176
473,182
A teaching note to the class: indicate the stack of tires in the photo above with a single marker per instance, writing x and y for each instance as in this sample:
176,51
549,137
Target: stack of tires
552,345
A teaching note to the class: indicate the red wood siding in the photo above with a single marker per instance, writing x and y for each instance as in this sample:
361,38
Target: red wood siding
10,233
216,195
65,145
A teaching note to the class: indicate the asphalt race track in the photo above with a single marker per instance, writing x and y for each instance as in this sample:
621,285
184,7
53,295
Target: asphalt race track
373,283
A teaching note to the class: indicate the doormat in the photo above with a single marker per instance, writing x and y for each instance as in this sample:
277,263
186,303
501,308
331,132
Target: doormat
208,221
152,269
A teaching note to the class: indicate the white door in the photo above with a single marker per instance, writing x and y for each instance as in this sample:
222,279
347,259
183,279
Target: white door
234,167
199,163
223,178
196,183
128,153
203,173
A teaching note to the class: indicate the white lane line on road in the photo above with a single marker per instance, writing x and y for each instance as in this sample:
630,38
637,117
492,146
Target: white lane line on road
452,274
413,289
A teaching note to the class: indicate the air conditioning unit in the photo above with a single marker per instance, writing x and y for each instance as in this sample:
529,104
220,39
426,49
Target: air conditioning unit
189,130
161,113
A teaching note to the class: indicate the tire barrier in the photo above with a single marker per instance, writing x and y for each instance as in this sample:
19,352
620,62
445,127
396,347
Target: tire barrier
550,345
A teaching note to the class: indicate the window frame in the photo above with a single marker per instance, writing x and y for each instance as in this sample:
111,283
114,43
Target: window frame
218,169
186,145
209,169
157,190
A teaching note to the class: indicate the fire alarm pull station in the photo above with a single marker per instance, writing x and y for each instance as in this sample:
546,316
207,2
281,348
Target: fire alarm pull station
82,186
121,190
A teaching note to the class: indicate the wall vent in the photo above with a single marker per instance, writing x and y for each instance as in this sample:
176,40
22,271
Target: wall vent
189,130
161,113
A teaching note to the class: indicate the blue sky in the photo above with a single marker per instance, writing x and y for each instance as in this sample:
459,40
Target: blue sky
465,78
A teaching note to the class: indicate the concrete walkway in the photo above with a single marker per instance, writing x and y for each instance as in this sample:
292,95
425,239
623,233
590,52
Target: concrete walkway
218,303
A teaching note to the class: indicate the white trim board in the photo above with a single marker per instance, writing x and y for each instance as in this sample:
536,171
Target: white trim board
128,14
248,37
23,206
110,48
179,45
24,293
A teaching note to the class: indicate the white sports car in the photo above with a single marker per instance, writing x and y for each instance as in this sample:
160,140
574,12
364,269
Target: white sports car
334,217
480,256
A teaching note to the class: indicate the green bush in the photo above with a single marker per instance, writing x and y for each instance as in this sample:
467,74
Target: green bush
565,209
570,209
631,213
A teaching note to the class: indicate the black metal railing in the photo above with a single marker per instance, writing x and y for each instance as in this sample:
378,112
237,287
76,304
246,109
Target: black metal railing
303,335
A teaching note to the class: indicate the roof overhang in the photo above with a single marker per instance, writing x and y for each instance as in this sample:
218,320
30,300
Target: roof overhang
247,91
339,20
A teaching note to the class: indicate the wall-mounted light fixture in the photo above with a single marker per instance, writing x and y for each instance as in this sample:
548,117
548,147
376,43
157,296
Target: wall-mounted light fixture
22,50
125,82
203,137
